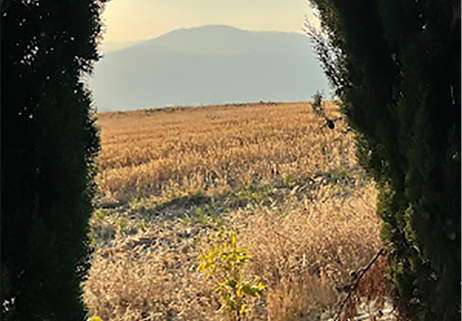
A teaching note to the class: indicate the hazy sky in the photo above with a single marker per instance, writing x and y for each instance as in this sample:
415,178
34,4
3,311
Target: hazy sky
136,20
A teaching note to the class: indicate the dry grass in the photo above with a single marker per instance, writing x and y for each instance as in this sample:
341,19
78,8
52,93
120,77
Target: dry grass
214,148
289,187
306,254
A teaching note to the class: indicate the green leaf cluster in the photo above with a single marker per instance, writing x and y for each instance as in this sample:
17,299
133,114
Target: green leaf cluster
224,262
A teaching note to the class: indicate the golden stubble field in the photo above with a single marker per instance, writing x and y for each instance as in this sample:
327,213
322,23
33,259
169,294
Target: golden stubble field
274,173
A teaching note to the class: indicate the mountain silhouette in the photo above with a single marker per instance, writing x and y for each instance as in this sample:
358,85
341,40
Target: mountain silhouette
208,65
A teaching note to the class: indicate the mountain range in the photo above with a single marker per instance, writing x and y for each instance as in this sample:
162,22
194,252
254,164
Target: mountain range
208,65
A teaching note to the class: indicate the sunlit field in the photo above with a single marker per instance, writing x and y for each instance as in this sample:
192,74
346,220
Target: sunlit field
274,173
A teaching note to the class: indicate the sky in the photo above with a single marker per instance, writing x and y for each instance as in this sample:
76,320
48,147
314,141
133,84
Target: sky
130,21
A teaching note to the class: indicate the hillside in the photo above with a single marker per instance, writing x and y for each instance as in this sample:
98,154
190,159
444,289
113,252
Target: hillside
288,186
208,65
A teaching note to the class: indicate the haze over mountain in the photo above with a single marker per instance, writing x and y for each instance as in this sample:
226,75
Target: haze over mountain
208,65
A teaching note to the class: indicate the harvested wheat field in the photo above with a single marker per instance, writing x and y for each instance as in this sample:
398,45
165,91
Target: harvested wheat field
269,195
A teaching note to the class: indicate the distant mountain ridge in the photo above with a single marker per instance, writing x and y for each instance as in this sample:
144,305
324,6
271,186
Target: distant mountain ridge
218,39
208,65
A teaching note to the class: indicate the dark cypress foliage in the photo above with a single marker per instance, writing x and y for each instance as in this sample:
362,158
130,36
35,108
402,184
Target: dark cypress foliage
48,144
396,67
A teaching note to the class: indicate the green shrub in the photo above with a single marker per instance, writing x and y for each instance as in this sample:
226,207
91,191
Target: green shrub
396,66
49,144
224,262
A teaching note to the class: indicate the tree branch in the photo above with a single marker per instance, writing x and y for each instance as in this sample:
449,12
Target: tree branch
359,276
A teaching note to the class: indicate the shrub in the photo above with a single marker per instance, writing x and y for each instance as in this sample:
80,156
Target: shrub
396,67
49,143
224,262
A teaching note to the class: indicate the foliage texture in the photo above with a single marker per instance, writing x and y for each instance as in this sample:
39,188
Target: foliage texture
48,144
395,65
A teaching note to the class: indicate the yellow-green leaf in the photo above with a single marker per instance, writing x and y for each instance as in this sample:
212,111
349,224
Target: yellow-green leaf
243,309
233,240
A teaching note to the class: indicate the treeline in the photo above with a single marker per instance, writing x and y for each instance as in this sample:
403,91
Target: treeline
396,67
48,143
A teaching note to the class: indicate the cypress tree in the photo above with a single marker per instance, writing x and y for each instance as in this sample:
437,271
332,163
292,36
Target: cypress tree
395,65
49,143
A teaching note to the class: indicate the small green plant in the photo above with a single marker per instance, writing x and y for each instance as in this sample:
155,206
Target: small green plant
100,214
224,262
206,217
122,224
339,175
289,181
138,199
92,241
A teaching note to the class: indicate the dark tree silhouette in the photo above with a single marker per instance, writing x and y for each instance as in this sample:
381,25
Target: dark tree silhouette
395,65
48,144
